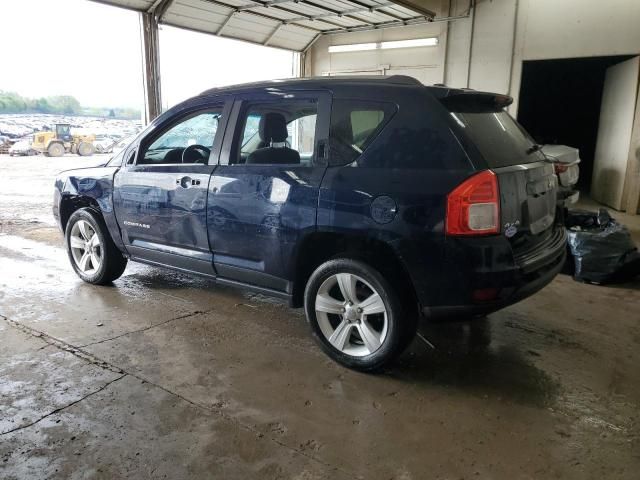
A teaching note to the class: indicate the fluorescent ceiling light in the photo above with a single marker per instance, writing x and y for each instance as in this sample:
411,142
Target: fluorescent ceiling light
354,47
358,47
418,42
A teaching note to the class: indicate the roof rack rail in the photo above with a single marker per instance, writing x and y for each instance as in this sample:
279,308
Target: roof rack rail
349,79
404,79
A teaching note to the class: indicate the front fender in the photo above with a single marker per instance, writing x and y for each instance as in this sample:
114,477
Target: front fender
87,187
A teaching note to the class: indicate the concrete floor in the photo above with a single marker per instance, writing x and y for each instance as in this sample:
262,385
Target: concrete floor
166,376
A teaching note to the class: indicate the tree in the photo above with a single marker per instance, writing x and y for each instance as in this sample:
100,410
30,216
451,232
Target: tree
65,104
41,105
11,102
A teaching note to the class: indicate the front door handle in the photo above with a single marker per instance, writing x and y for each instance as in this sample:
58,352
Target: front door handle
186,182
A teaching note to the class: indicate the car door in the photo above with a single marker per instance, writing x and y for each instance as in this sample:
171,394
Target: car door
263,197
160,196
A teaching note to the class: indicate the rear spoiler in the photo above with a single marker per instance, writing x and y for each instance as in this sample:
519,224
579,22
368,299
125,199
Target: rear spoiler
472,101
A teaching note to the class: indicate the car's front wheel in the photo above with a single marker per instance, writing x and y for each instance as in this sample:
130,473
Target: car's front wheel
356,315
93,255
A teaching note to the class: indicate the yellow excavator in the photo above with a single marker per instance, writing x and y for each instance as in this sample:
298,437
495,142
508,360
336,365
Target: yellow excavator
60,141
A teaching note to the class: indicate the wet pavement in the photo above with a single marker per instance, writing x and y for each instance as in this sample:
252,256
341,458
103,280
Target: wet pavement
166,376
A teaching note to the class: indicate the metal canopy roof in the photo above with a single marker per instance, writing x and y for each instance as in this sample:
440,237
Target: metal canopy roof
289,24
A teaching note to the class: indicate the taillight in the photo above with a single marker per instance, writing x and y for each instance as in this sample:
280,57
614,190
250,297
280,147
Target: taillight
473,207
560,168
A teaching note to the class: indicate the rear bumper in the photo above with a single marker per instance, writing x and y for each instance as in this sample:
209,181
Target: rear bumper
491,267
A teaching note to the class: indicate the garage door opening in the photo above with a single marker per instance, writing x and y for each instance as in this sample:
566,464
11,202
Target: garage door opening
560,104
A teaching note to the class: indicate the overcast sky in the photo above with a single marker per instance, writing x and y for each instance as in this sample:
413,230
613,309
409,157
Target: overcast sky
92,51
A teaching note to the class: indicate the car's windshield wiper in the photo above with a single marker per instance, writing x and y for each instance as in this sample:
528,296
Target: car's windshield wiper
533,148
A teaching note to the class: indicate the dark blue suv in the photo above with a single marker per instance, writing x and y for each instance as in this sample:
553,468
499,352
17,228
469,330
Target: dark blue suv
369,201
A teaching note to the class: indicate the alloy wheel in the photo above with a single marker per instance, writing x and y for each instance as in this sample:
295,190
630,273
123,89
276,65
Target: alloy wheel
86,248
351,314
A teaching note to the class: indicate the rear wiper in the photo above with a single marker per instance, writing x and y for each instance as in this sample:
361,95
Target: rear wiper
533,148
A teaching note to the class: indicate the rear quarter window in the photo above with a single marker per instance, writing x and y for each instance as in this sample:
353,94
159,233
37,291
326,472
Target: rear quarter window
354,125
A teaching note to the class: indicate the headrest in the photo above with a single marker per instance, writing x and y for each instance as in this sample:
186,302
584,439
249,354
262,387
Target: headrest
273,128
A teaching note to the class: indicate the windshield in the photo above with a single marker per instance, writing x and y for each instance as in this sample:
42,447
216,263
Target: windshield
499,138
116,160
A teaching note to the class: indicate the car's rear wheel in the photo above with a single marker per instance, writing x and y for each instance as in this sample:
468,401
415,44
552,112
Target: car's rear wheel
93,255
356,315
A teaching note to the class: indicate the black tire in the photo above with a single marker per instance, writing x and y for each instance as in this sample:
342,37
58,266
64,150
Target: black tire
401,328
113,262
55,150
85,149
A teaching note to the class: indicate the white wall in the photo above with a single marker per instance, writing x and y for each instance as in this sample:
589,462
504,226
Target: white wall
458,46
548,29
492,45
544,29
578,28
425,63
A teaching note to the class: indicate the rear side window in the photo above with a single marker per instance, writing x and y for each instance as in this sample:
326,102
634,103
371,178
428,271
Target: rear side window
354,125
500,139
277,133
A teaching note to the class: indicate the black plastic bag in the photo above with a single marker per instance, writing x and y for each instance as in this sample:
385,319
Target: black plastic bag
602,249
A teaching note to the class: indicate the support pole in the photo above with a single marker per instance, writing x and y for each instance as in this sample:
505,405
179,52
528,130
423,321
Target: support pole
472,8
151,66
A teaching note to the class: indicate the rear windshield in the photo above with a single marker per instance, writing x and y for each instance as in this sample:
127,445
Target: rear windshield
499,138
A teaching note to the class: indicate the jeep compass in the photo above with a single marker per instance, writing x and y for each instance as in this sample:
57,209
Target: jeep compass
369,201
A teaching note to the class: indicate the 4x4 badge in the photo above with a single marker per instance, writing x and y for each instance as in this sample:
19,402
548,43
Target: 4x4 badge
510,229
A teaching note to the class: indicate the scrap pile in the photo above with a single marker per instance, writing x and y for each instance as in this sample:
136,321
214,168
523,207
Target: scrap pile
601,249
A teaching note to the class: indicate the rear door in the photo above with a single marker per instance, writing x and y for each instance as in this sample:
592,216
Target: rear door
527,181
257,212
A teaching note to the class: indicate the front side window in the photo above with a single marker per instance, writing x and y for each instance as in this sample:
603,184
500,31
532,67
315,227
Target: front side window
277,133
354,125
190,141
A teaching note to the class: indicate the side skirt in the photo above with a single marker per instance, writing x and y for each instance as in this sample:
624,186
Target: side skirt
222,281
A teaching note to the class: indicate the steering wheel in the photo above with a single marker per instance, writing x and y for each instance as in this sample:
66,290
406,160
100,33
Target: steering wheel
203,152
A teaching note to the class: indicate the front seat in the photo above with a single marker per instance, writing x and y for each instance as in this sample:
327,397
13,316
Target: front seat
273,133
